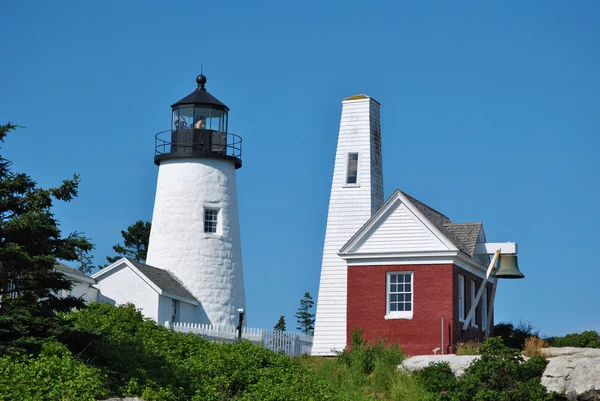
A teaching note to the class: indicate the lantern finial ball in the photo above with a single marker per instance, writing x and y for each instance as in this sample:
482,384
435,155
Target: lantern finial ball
201,81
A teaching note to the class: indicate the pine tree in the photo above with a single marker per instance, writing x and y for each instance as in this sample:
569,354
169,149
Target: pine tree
280,326
306,319
30,244
135,241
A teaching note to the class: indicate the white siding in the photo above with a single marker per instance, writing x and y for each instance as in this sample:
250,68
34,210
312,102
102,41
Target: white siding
209,266
350,206
122,285
399,230
186,312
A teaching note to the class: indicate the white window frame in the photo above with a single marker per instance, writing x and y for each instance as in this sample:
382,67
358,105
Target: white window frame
217,232
461,298
399,314
347,165
484,309
473,295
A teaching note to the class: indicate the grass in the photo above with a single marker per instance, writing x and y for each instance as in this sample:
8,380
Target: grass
468,348
368,372
533,346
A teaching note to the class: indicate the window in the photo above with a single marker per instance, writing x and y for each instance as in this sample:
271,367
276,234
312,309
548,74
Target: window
352,168
484,309
210,221
474,319
400,295
174,310
461,297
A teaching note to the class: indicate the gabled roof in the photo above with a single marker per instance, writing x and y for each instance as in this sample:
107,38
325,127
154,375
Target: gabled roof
467,234
162,281
463,236
73,273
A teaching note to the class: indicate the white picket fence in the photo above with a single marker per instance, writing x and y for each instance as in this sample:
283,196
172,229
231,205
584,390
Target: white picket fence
292,344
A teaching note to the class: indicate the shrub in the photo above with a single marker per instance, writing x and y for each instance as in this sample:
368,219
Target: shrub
514,336
53,375
438,378
587,339
533,346
142,359
468,348
501,374
363,356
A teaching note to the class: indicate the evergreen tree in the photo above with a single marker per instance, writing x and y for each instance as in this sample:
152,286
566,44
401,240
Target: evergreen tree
306,319
280,324
135,243
30,244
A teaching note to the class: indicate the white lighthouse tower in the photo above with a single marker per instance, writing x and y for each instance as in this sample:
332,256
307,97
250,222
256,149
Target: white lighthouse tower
356,193
195,225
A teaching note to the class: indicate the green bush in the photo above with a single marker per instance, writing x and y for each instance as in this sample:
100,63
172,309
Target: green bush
587,339
142,359
514,336
363,356
502,375
438,378
53,375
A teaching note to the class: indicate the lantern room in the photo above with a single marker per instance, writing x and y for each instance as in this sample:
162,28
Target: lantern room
199,128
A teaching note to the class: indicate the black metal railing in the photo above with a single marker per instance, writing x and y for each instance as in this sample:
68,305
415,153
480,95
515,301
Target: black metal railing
197,141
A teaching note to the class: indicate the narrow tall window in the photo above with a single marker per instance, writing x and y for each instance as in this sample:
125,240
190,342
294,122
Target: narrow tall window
352,169
461,298
474,319
174,310
484,309
210,221
400,294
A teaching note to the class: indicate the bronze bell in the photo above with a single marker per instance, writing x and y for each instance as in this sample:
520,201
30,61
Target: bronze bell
508,267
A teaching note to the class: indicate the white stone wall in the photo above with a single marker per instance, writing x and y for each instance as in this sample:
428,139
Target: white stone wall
350,206
128,287
209,266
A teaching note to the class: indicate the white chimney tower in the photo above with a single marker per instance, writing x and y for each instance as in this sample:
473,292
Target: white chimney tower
356,193
195,225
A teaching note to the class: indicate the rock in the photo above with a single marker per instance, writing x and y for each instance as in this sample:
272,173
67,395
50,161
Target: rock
570,351
458,363
574,373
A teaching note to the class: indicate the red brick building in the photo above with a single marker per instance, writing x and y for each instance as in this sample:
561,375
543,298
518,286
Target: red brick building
410,268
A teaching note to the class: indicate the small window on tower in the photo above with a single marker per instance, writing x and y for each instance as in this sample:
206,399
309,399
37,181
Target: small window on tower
352,169
210,221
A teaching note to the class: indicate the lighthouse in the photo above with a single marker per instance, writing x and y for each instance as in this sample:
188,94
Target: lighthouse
195,224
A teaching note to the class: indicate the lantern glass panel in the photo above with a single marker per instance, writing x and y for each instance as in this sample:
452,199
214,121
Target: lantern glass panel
201,117
175,120
186,118
216,120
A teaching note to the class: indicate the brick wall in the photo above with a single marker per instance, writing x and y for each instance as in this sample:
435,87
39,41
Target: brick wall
432,298
435,294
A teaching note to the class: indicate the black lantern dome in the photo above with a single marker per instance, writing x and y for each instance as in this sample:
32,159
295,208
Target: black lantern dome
199,127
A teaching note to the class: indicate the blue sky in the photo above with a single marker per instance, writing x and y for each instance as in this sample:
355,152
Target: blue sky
490,112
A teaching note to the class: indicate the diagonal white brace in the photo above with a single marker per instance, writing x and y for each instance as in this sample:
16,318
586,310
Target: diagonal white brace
481,289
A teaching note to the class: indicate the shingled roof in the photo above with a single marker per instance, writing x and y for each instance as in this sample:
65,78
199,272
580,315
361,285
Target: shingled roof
463,235
162,279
